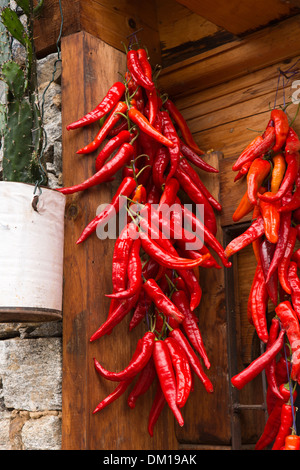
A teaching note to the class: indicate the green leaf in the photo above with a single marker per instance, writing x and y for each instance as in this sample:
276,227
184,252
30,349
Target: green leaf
13,76
24,4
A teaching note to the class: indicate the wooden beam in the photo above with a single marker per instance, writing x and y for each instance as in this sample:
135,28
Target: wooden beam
233,60
242,17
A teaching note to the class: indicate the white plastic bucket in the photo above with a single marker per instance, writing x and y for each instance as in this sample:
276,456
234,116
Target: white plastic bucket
31,253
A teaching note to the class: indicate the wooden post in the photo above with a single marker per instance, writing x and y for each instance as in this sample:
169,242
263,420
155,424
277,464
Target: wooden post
89,68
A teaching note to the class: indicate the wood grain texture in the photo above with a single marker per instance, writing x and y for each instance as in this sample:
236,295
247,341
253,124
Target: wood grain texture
89,68
241,17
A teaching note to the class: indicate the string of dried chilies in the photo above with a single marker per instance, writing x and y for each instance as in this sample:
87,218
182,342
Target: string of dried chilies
271,164
154,272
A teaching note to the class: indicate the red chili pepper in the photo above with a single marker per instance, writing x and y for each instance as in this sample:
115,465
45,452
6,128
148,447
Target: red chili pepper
194,254
259,303
111,146
271,216
281,125
169,194
156,409
118,201
182,371
142,355
134,273
182,124
271,367
142,122
190,325
112,97
271,427
170,133
258,365
145,379
255,231
165,373
121,258
286,423
194,361
292,442
151,94
283,266
290,323
294,203
162,302
266,253
197,197
119,390
160,163
292,144
294,283
196,159
136,71
257,173
120,159
243,171
258,147
185,166
111,120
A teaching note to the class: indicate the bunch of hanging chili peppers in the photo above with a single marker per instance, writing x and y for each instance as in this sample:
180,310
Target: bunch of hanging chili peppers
155,275
271,165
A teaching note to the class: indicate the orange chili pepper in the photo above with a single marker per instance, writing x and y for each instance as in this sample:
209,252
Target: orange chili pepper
277,172
292,442
245,206
258,171
271,216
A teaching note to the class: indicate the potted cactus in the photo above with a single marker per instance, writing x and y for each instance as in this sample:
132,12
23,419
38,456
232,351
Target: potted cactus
32,215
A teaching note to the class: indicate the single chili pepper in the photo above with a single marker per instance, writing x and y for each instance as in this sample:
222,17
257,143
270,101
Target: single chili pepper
111,146
165,373
194,361
116,316
196,159
257,173
209,238
145,379
118,201
120,126
256,230
156,409
286,423
169,194
144,352
190,325
278,171
290,323
170,133
151,94
296,257
142,122
243,171
283,266
259,146
193,287
292,144
245,206
198,198
258,365
135,69
294,283
281,125
292,442
259,304
292,161
266,253
162,302
182,371
271,367
120,159
165,259
111,120
112,97
271,217
185,166
285,223
160,163
182,124
120,259
294,203
119,390
134,273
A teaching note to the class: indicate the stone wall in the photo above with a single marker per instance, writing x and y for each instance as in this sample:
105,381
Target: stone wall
31,353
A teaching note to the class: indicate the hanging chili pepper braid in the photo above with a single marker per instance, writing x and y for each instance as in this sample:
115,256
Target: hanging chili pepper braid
271,165
155,271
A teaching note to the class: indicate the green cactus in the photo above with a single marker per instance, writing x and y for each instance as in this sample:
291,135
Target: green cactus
20,120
